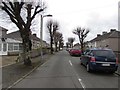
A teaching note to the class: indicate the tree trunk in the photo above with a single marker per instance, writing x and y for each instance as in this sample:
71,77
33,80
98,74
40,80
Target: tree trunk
59,46
51,47
82,46
56,47
26,53
26,49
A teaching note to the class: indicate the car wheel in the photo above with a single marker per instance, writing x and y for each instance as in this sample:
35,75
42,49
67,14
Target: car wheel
88,68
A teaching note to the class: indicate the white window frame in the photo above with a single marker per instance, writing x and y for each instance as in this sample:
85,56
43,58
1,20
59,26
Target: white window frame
17,45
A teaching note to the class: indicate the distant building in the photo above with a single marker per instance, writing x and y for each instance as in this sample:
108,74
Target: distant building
77,45
109,40
12,42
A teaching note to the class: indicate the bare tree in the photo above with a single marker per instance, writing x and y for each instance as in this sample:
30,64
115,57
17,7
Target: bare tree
49,27
52,28
82,34
67,44
58,39
56,34
14,10
71,40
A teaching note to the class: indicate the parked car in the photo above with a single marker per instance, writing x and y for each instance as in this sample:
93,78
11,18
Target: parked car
75,52
99,59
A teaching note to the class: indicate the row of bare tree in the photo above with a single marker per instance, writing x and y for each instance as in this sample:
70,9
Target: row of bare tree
56,37
82,34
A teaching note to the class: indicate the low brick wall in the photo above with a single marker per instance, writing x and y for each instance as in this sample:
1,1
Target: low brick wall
34,53
13,53
37,52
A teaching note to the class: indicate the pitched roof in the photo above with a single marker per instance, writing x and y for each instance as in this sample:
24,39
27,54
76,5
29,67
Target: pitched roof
112,34
16,35
115,34
2,28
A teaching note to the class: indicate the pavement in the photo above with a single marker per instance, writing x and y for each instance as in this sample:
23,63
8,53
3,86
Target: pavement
12,73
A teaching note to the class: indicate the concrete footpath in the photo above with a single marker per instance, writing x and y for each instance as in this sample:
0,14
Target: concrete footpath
14,72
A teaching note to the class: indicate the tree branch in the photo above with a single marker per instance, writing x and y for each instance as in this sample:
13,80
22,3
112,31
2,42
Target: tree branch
10,10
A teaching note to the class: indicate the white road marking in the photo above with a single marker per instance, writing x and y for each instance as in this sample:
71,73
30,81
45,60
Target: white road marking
80,80
70,62
81,83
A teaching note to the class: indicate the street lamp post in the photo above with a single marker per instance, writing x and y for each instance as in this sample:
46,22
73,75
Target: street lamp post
41,33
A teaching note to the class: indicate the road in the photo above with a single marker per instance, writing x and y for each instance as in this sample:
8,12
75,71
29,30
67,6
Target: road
65,71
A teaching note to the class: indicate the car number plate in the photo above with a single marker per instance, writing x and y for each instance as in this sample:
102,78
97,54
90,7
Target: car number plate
105,64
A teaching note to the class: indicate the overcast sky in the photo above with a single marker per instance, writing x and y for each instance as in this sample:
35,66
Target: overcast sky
96,15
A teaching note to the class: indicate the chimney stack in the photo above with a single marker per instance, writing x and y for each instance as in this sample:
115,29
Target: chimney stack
34,35
104,33
111,30
98,35
3,32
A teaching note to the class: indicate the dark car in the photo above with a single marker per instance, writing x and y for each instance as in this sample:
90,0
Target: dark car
99,59
75,52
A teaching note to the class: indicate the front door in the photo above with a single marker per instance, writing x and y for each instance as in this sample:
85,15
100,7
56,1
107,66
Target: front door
3,48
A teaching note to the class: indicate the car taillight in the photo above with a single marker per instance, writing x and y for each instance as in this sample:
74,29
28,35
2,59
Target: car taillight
92,59
116,60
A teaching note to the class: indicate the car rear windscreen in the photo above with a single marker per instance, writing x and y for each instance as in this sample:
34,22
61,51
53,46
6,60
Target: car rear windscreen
104,53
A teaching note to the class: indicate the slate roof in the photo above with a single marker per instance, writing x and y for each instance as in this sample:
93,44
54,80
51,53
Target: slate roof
113,34
1,28
16,35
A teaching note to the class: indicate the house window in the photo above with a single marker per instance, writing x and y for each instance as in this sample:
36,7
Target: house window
10,47
4,47
16,46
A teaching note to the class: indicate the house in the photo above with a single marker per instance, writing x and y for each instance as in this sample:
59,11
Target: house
109,40
12,43
77,46
8,44
16,36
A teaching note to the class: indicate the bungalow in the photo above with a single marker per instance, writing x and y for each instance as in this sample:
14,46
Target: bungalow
12,43
8,44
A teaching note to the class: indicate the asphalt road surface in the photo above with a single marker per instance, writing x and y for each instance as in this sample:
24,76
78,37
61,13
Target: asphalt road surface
65,71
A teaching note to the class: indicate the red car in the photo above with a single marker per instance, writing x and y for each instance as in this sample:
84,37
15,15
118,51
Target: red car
75,52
